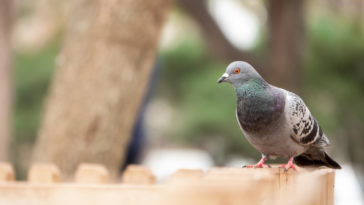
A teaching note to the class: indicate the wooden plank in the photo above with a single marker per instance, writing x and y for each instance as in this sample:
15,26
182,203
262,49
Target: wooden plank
92,173
264,180
90,194
220,185
135,174
6,172
43,173
186,175
330,187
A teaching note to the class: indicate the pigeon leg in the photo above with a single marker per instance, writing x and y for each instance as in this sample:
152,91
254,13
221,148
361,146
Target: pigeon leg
260,164
289,165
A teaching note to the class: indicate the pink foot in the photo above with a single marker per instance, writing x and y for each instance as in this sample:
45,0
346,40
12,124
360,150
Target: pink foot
260,164
289,165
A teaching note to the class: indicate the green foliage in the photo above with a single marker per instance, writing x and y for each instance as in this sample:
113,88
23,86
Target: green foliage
32,77
335,80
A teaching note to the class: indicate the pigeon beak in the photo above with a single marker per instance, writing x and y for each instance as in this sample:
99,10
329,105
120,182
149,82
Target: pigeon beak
223,78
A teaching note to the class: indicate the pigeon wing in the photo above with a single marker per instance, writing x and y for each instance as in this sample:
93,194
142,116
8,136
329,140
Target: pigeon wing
305,130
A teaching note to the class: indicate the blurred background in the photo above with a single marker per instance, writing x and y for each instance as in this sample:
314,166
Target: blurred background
179,117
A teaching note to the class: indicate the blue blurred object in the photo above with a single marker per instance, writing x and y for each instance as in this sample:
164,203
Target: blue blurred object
137,142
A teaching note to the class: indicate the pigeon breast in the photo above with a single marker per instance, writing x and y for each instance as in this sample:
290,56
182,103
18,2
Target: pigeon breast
258,107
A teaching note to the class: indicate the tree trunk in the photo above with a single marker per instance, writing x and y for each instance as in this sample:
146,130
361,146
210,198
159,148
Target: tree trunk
286,43
5,77
101,77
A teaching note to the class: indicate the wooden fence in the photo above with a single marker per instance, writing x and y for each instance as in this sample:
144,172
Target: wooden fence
218,186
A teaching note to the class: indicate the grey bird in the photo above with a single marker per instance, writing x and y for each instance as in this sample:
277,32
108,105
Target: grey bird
275,121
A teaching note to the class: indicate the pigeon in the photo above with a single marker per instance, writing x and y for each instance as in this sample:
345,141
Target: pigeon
275,121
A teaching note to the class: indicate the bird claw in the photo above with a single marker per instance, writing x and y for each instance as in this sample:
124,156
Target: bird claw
286,167
260,164
289,165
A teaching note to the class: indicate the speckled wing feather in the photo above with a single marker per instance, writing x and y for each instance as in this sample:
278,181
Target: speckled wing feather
305,129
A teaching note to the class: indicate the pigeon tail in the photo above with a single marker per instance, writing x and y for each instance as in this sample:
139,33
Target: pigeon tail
316,157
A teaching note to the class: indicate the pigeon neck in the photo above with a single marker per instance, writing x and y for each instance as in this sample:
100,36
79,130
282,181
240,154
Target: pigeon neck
255,85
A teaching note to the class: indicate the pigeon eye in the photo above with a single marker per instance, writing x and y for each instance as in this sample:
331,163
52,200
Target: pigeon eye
237,70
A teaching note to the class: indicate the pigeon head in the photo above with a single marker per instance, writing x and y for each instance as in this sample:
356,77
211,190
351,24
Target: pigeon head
239,72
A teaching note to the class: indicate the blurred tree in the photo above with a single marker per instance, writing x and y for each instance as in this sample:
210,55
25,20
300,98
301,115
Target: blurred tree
218,44
286,41
5,76
101,77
